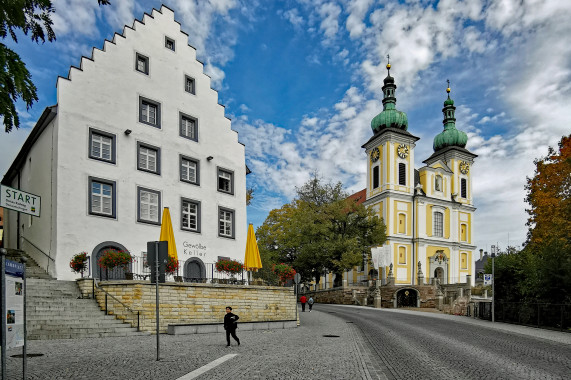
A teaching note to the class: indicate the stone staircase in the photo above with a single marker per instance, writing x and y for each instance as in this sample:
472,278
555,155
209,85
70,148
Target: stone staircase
55,309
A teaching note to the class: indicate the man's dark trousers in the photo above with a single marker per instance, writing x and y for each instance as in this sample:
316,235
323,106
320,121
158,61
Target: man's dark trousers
233,333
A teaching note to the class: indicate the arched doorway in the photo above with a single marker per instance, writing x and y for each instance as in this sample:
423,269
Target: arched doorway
439,274
117,273
194,270
407,298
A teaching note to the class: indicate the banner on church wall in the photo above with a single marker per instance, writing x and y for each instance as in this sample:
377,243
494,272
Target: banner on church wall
381,256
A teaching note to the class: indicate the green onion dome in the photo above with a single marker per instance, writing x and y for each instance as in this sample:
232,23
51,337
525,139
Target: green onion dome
390,117
450,136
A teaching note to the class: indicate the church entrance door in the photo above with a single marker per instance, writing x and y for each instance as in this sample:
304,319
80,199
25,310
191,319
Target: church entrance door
407,298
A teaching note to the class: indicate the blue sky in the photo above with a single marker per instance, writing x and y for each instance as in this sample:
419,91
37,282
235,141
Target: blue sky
301,81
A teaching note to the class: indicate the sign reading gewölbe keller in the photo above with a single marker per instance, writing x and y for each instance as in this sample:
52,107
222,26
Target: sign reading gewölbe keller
19,200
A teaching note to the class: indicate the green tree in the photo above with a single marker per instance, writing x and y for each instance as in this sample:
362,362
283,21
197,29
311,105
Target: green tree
33,18
321,230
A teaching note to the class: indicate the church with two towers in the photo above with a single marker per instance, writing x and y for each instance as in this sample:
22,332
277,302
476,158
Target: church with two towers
429,211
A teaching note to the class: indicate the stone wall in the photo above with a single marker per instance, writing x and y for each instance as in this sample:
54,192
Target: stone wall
340,296
192,303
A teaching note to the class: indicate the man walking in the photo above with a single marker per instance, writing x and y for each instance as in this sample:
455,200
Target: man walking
230,325
303,300
310,303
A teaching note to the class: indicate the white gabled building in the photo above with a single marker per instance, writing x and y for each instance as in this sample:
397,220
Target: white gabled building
136,128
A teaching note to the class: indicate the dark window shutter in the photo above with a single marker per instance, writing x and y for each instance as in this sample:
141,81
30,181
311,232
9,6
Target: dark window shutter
375,177
463,187
402,174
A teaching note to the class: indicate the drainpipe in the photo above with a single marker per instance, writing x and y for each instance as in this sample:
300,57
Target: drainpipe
18,216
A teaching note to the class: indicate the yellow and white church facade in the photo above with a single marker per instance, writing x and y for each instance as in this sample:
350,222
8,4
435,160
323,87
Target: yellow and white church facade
429,211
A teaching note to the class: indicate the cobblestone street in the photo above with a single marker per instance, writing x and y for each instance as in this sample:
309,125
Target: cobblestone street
371,344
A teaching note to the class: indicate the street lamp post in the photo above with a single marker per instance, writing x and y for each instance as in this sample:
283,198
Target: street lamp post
493,284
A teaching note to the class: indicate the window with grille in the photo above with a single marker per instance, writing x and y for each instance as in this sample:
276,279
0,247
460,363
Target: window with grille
463,188
149,112
226,223
101,197
189,85
148,158
101,146
190,218
402,174
142,64
188,127
225,181
149,205
438,224
189,170
375,177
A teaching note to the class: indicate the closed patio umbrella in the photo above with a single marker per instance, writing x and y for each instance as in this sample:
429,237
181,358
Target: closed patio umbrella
252,261
167,233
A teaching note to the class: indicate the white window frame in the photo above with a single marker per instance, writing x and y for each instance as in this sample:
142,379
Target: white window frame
140,58
192,89
94,135
182,167
226,175
145,106
145,207
144,151
226,224
101,196
186,226
184,130
435,223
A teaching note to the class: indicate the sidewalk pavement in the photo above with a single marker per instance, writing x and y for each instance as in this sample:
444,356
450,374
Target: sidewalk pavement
304,352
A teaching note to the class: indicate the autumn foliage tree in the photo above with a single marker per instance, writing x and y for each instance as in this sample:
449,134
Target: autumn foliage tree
541,271
549,196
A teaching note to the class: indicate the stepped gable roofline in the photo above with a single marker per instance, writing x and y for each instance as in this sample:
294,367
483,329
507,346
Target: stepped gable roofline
395,130
45,119
122,34
442,151
359,197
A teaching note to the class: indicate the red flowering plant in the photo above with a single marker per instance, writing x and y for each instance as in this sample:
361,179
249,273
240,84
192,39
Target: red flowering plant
229,266
172,265
112,258
78,263
283,271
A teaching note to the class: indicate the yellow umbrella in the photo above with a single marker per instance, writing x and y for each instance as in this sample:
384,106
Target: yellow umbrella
167,233
252,260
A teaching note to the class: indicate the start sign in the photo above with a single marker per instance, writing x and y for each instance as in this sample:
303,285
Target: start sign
20,201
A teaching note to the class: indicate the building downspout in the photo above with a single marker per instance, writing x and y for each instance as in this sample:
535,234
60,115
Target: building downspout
18,216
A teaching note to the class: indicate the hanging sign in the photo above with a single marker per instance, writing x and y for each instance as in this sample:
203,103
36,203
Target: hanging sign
20,201
14,296
488,279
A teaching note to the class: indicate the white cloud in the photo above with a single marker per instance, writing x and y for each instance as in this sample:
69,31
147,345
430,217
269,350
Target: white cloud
357,10
292,15
76,17
330,19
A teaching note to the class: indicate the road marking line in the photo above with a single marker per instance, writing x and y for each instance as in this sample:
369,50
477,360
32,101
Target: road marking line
197,372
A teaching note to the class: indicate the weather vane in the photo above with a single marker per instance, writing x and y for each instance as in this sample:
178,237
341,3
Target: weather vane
388,62
448,88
